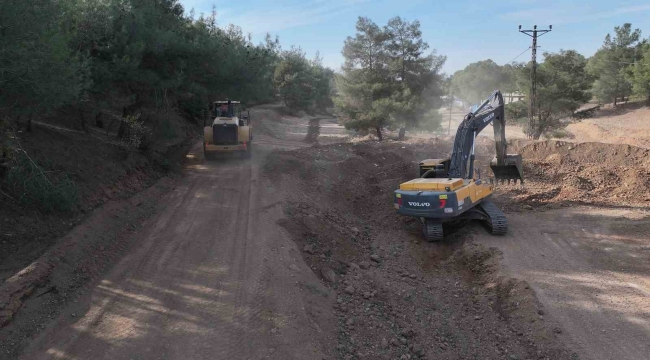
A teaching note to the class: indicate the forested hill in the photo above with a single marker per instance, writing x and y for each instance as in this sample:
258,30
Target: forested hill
137,52
129,73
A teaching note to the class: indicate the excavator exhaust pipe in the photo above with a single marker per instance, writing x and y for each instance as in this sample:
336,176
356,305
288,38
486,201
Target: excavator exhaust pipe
511,169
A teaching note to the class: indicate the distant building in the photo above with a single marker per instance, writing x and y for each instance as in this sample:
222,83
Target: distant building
513,96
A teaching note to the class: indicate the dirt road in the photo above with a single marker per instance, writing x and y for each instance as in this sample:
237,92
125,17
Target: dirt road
215,277
589,267
299,255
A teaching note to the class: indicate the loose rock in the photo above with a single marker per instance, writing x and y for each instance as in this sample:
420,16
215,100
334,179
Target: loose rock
309,249
328,274
418,350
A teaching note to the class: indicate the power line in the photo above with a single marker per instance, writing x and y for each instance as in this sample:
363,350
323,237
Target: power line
516,57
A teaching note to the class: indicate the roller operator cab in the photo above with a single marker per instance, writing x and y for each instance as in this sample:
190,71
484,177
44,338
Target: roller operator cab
228,130
446,189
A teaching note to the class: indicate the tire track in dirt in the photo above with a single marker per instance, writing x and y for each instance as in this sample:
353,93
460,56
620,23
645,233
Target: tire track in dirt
589,268
210,280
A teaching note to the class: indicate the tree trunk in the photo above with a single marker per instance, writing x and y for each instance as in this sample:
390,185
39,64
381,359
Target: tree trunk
402,132
378,128
122,129
98,120
82,119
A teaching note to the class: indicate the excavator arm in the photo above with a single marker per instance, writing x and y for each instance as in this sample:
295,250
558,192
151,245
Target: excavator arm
504,166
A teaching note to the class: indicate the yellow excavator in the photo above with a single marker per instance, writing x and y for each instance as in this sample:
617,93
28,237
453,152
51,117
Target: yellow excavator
229,130
447,189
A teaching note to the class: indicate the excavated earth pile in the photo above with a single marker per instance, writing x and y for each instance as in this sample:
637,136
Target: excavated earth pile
559,174
399,297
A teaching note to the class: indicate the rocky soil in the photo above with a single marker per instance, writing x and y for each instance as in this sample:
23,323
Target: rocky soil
401,298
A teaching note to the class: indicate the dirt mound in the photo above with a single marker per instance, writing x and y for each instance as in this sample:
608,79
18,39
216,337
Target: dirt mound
623,124
398,297
563,173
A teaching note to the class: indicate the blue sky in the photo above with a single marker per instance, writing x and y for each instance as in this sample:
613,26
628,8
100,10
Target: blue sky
465,31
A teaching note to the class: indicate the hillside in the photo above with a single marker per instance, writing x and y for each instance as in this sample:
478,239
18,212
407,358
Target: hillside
624,124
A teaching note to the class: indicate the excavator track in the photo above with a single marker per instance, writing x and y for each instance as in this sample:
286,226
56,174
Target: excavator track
496,218
432,229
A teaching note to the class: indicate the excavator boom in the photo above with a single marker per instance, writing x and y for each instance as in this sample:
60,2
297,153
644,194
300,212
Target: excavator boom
504,166
446,189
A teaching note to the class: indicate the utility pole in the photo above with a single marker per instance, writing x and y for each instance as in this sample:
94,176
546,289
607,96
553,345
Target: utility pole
532,99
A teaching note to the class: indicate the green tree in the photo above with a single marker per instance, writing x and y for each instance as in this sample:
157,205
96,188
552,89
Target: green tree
419,84
478,80
135,54
562,87
292,79
610,65
387,81
508,82
364,87
303,84
149,53
322,78
641,74
39,72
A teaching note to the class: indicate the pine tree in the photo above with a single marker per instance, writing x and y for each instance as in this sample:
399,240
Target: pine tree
39,72
364,87
610,64
641,74
414,73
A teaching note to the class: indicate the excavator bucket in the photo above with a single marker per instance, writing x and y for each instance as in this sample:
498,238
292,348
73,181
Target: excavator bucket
511,169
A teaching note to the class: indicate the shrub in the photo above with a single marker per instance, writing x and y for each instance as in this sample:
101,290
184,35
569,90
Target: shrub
560,134
136,131
47,190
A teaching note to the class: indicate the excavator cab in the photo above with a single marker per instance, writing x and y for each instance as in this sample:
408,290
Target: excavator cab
511,169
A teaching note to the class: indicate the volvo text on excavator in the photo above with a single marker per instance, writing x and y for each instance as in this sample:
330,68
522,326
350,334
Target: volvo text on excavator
447,188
